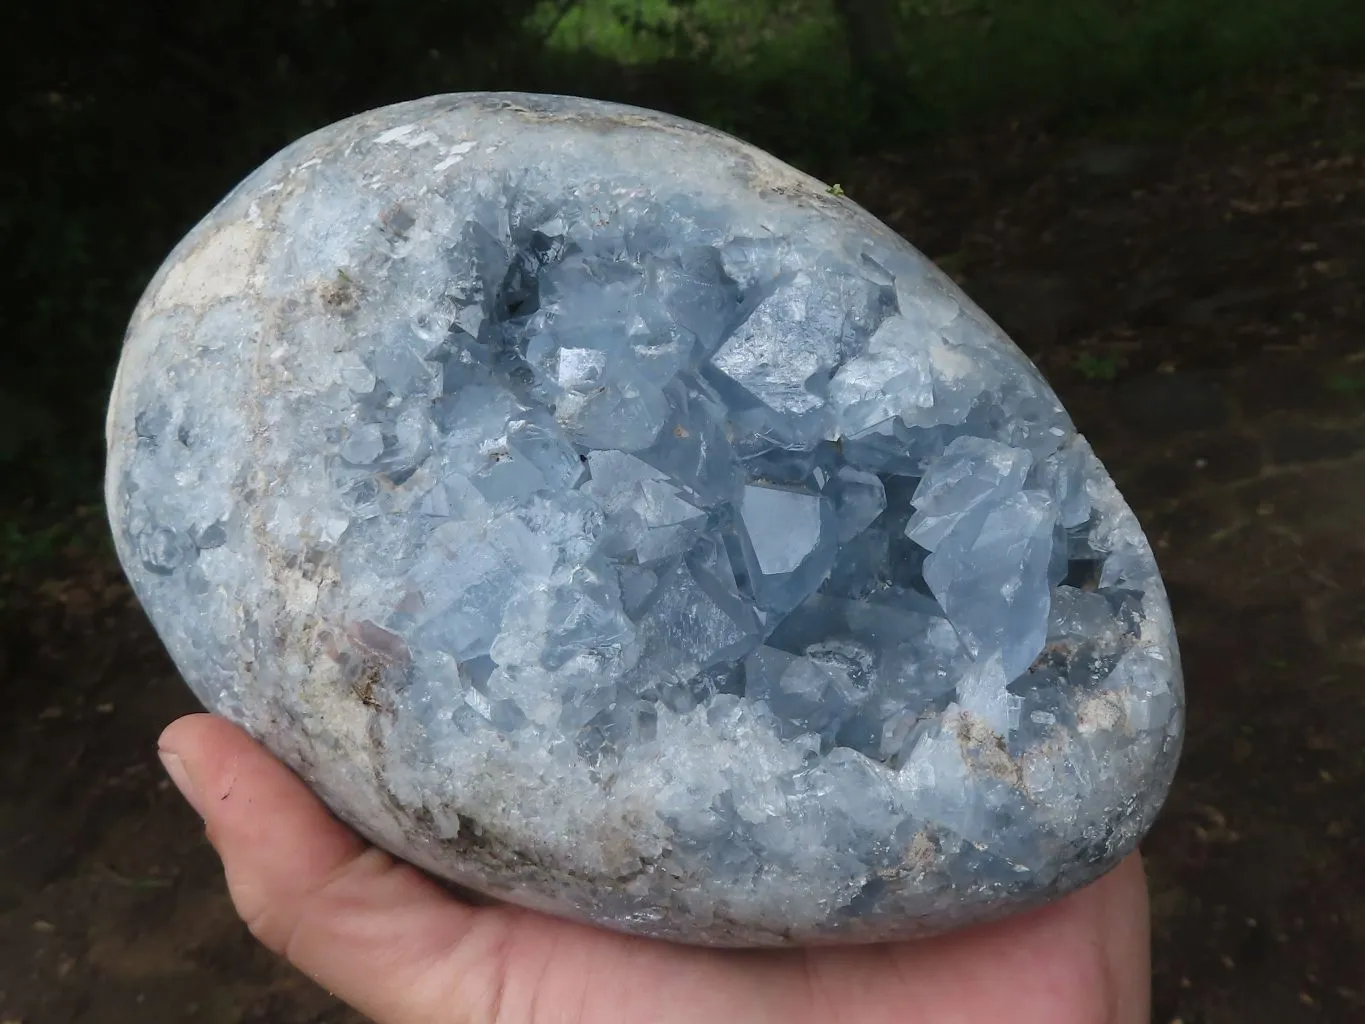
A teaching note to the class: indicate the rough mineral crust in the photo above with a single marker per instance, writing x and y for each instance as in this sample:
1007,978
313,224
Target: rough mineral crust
605,517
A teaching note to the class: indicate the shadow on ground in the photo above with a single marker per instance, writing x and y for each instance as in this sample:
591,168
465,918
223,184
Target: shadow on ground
1196,301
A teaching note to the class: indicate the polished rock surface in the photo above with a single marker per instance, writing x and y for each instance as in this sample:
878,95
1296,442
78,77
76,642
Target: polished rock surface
603,516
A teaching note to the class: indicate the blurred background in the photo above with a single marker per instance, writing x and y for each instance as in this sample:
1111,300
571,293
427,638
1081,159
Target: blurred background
1163,201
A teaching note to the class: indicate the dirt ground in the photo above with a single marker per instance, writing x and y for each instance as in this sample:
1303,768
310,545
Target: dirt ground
1197,303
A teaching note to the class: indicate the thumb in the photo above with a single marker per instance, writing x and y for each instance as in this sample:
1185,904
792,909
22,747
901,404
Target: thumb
374,932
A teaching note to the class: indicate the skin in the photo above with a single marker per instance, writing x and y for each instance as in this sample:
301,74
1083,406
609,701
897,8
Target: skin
397,947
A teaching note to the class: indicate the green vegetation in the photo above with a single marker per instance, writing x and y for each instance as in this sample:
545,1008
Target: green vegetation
1345,384
26,540
817,79
1098,368
126,123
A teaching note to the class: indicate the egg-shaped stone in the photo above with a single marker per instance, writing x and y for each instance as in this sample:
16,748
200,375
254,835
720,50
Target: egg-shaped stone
606,517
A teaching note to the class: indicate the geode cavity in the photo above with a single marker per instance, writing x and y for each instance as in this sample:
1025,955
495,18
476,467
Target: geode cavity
602,515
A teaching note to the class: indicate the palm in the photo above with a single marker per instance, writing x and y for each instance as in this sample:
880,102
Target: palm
400,949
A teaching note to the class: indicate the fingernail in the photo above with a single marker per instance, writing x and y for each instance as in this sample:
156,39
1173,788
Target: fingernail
175,768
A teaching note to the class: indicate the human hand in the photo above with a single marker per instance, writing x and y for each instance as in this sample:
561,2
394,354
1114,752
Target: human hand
399,948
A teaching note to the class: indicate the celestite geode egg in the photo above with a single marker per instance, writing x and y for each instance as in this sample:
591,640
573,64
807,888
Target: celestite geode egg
602,515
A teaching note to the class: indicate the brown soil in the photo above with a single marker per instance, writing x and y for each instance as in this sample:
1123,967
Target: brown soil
1214,278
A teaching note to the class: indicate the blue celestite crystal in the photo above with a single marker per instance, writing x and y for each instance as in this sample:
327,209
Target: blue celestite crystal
601,515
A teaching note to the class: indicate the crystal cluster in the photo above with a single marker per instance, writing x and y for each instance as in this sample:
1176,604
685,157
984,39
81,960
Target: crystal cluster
601,515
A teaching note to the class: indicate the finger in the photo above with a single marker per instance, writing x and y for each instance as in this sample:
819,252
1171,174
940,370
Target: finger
1126,923
374,932
1081,960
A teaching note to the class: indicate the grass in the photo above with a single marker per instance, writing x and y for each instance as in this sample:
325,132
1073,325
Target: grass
1082,60
1097,368
1346,384
76,532
31,545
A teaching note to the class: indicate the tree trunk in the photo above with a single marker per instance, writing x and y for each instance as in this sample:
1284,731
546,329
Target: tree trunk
872,29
